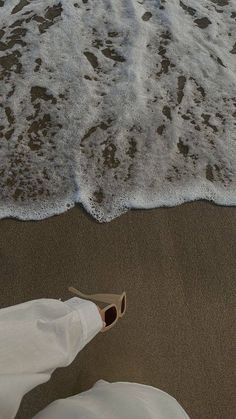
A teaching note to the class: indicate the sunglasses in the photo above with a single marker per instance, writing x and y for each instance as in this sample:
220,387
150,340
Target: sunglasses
115,310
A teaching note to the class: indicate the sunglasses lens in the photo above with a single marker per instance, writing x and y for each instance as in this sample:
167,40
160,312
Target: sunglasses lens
123,305
110,316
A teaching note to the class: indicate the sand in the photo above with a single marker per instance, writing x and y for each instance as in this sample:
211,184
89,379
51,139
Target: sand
178,268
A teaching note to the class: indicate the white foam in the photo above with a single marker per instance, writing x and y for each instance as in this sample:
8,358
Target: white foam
116,104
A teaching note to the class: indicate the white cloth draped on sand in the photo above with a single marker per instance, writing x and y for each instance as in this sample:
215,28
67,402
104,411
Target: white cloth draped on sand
116,401
39,336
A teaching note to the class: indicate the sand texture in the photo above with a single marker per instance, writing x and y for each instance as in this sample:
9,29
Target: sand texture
178,268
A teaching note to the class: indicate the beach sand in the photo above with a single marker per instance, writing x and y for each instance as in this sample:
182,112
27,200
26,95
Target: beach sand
178,268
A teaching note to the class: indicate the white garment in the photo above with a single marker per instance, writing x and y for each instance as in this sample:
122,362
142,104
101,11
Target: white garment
116,401
38,336
35,338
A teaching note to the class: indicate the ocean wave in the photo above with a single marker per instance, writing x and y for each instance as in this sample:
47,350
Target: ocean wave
116,104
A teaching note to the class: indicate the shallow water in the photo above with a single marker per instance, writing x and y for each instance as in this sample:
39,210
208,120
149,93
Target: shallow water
116,104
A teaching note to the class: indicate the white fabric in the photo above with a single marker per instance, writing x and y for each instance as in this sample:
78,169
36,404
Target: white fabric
39,336
116,401
35,338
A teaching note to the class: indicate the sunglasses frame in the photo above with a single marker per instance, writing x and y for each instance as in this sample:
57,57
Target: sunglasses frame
112,299
121,298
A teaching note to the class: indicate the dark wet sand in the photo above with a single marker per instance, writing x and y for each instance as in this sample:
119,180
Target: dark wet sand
178,268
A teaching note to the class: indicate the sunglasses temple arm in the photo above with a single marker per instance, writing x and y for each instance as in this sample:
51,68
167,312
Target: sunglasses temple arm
75,291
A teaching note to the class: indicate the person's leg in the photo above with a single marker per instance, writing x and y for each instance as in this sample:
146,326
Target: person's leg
37,337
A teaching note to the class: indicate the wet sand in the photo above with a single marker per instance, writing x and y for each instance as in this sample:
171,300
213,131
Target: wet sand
178,268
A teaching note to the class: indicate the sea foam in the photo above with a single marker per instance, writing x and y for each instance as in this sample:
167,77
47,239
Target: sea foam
116,104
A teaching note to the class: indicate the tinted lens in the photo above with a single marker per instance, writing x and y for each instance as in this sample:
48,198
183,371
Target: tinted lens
110,316
123,305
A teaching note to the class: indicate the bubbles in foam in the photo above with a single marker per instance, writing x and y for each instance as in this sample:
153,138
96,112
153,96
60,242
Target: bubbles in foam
116,104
